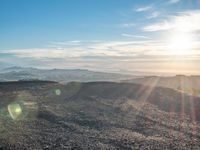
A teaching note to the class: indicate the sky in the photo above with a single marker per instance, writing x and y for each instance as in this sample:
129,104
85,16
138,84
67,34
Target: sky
106,35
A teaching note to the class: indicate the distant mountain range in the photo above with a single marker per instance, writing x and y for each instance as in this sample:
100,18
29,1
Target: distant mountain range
59,75
181,83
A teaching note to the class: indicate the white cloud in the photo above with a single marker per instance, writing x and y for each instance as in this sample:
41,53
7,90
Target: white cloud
127,25
185,21
39,53
99,49
108,49
174,1
141,54
135,36
164,25
155,14
143,8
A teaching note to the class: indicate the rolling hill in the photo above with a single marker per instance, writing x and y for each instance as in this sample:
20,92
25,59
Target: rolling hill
97,115
182,83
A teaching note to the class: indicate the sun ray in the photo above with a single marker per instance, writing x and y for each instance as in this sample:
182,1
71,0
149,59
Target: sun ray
180,44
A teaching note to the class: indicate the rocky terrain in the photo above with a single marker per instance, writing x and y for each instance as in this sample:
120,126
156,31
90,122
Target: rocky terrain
97,115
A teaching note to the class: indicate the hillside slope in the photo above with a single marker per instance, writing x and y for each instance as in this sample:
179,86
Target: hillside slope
97,115
187,84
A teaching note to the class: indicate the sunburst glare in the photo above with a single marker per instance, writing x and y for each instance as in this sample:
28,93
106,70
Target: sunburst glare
180,44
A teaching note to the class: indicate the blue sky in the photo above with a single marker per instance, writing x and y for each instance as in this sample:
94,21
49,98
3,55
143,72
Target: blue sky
105,35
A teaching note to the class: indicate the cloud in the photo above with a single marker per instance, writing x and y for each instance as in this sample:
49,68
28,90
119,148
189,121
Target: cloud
104,49
185,21
143,8
135,54
135,36
154,14
173,1
90,49
164,25
127,25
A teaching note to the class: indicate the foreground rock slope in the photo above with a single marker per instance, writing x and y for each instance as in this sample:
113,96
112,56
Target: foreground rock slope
97,115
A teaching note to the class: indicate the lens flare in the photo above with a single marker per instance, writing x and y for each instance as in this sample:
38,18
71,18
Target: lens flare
58,92
15,111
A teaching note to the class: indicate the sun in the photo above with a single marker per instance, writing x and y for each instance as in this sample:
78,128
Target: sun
180,44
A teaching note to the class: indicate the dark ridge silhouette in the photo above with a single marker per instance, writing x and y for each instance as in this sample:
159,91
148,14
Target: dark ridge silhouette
17,85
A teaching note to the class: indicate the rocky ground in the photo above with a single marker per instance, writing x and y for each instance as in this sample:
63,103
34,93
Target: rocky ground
62,117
